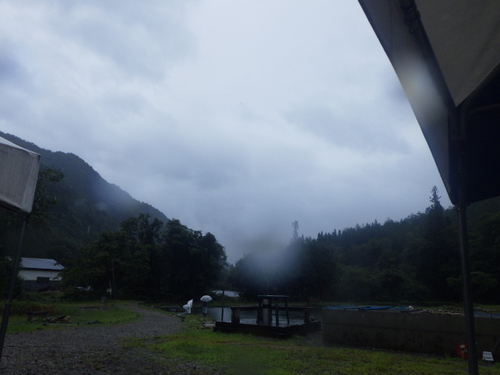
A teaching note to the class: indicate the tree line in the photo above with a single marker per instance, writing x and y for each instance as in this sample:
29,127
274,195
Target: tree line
412,260
150,260
145,257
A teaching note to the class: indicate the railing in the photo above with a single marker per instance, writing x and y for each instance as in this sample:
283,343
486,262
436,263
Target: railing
235,312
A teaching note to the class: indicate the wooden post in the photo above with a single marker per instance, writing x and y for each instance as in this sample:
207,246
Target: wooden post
13,277
235,315
307,315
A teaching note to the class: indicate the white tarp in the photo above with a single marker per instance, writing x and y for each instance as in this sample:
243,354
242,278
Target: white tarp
465,37
18,176
409,62
446,56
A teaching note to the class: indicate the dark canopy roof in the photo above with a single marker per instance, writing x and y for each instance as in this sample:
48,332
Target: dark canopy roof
41,264
18,176
446,55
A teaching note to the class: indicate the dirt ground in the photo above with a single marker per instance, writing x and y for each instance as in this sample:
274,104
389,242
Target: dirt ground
93,349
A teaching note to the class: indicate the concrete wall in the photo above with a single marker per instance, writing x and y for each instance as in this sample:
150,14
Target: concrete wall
34,274
414,332
34,286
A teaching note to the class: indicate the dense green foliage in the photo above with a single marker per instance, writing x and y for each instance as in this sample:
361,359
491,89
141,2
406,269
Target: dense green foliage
150,260
5,278
415,259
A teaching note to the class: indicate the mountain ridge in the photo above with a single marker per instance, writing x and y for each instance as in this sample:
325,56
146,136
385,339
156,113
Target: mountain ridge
87,203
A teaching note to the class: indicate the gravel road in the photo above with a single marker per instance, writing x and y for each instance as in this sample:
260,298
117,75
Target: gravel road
92,349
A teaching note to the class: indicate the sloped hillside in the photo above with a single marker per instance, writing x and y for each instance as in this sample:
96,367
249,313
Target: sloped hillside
86,205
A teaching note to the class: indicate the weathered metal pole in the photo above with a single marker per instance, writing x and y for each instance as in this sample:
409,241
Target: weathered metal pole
465,263
13,278
467,293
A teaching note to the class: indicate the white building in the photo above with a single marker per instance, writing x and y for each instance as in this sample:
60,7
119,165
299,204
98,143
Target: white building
40,274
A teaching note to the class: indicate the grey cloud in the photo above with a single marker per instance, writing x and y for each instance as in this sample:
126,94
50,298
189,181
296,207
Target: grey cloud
356,130
11,71
16,83
139,38
186,105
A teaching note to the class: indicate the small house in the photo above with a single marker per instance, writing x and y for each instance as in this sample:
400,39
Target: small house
40,274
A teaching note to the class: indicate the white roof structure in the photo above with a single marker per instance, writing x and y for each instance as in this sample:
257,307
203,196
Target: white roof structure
465,37
446,55
18,176
40,264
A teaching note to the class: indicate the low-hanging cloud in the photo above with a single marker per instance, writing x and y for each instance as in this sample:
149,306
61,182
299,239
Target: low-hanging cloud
236,118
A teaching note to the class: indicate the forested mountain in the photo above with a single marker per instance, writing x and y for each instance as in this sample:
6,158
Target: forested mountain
408,261
107,240
105,237
74,204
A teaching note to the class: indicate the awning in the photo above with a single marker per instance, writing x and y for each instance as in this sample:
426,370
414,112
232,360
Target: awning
446,55
18,176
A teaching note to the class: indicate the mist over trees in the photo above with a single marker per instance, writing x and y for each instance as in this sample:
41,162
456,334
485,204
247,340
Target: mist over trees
73,205
412,260
108,240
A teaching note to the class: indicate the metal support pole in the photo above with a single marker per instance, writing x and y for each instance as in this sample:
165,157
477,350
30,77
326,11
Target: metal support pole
13,278
277,313
467,292
223,306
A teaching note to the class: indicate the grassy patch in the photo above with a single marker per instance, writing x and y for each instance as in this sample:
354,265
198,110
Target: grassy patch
79,314
242,354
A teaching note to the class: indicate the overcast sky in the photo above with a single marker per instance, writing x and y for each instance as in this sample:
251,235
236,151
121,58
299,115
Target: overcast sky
235,117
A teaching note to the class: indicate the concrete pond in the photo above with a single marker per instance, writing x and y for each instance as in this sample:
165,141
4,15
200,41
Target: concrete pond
272,316
420,331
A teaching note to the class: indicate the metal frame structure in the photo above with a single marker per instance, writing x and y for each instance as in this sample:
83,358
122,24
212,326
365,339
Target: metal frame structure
451,77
